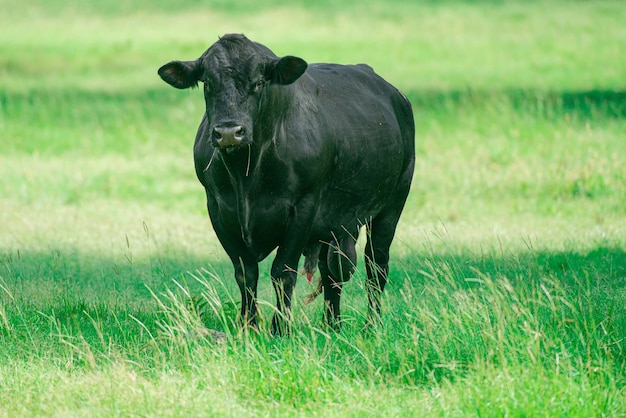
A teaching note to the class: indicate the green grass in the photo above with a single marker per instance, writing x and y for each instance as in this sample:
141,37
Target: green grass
508,284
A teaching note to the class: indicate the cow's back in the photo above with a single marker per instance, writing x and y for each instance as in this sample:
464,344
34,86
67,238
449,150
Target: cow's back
368,126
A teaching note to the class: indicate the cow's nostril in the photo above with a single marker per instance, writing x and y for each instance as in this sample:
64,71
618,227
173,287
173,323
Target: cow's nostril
228,136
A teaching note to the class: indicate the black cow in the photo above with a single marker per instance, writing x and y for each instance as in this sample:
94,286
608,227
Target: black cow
298,157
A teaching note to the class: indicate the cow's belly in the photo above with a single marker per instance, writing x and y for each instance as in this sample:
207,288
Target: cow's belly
330,224
356,197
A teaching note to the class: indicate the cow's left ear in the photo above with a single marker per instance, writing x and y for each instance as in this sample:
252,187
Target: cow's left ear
286,70
180,74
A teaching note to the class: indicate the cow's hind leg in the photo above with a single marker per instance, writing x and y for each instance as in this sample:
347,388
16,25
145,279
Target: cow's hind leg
337,262
380,232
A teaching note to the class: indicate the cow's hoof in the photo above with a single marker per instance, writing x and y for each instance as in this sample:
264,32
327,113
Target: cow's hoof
217,337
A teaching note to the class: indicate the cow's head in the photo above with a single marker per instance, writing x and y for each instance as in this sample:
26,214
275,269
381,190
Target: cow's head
235,73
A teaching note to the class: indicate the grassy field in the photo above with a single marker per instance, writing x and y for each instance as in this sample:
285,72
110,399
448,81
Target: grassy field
508,284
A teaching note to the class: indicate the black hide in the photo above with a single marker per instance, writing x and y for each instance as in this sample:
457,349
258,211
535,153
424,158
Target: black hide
298,157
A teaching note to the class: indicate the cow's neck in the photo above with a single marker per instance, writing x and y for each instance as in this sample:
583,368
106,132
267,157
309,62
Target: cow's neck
241,166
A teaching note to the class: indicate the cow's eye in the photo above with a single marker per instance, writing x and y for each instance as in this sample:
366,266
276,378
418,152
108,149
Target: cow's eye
259,85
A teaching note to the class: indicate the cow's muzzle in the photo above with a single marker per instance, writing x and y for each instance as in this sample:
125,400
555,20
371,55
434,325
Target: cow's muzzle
231,136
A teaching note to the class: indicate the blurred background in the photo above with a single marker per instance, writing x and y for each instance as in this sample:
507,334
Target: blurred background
508,276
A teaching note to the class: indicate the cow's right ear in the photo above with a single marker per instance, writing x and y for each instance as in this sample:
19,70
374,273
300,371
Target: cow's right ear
180,74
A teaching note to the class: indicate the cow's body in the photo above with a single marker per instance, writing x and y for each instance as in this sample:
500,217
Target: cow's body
299,160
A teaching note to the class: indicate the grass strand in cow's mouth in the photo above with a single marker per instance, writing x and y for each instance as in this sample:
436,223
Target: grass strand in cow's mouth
210,161
248,165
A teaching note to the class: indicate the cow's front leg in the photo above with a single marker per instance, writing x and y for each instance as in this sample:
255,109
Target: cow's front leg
284,275
244,263
285,265
247,276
